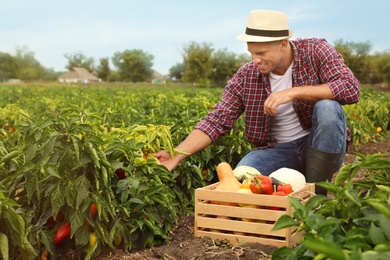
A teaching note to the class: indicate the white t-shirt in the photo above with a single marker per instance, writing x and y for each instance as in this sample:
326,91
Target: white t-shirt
285,126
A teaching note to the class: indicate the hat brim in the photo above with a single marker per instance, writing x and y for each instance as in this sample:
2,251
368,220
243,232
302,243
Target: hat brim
251,38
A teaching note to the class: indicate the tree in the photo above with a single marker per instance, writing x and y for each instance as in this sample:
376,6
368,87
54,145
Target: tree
381,63
198,63
27,67
176,71
356,57
225,63
133,65
7,66
103,70
78,59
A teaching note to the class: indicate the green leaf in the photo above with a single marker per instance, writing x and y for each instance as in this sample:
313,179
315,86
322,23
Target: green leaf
75,142
46,237
82,236
30,152
284,221
57,199
52,171
93,154
82,187
27,250
10,156
76,220
376,234
344,174
70,194
4,248
384,224
28,166
85,127
315,201
353,196
48,147
330,221
328,186
296,203
136,200
16,224
10,202
328,248
31,185
285,253
380,206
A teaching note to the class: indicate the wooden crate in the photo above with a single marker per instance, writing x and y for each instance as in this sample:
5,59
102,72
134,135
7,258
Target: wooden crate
226,222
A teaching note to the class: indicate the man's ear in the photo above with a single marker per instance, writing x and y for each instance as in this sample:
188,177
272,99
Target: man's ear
284,43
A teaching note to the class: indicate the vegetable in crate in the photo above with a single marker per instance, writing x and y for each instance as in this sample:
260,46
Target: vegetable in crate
277,193
261,185
293,177
242,172
227,181
281,186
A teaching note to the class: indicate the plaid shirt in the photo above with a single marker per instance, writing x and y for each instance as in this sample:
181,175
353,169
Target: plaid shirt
315,62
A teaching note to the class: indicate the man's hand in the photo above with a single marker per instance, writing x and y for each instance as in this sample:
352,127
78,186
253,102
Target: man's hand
166,159
275,99
310,93
195,141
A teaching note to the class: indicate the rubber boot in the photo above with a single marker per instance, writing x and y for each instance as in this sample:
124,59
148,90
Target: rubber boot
320,166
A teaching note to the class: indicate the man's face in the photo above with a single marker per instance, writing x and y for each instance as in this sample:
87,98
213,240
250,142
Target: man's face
266,55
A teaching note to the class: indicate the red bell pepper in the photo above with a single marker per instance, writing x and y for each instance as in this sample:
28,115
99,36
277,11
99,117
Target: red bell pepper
266,184
286,188
255,186
277,193
62,232
281,186
261,184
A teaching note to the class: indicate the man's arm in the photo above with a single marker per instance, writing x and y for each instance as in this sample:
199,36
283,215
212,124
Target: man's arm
304,93
195,141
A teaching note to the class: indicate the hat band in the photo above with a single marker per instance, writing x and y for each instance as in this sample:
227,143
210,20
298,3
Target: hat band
266,33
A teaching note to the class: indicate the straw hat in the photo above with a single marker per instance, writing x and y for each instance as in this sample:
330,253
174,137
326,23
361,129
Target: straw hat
266,26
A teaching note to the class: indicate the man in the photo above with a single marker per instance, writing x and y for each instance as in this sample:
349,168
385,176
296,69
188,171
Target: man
291,94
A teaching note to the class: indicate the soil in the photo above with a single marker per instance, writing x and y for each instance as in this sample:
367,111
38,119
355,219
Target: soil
182,245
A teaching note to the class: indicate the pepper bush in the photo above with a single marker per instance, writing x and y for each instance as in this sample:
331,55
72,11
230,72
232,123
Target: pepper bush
354,224
60,151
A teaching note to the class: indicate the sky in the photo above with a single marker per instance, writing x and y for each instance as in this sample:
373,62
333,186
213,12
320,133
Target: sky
98,29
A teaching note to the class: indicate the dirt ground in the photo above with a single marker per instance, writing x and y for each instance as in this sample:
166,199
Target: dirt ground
182,245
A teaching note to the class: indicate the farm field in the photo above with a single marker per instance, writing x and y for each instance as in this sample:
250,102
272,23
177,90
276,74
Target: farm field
83,155
183,245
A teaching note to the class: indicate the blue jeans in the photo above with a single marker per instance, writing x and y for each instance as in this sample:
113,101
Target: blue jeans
328,134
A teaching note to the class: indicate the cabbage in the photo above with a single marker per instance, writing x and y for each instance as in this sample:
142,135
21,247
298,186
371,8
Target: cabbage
290,176
242,172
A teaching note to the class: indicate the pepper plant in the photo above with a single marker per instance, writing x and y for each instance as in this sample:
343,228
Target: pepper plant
353,224
13,231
